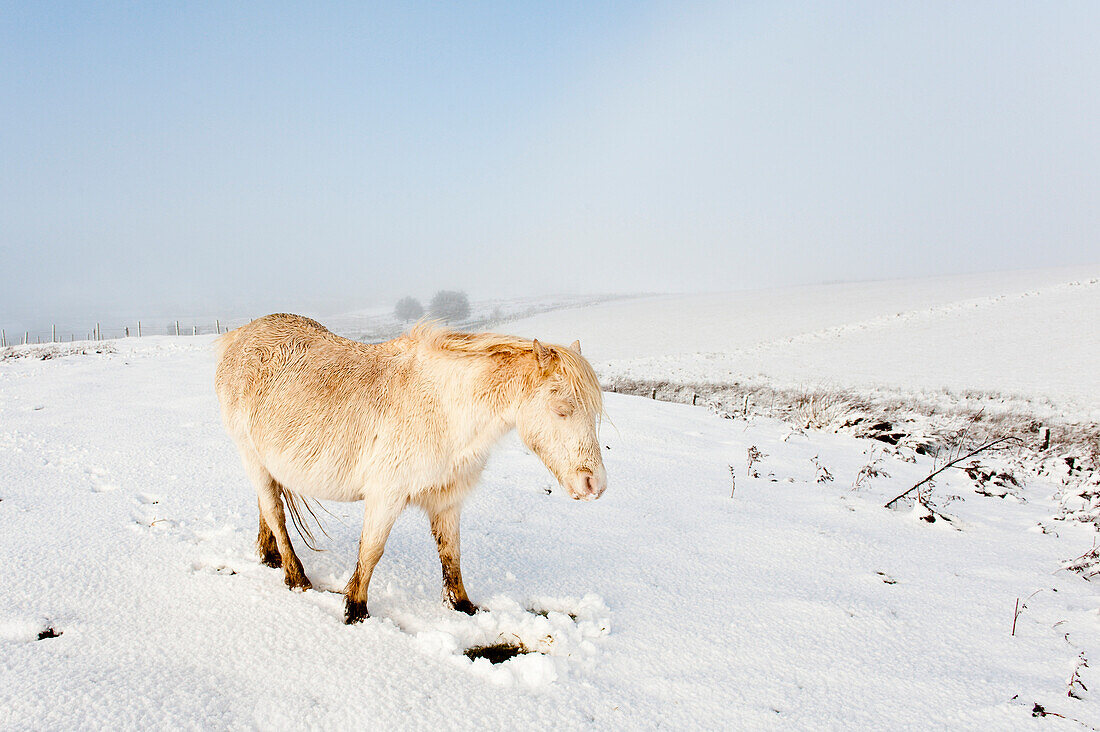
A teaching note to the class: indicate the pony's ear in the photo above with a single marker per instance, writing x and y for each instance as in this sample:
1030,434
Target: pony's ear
576,346
542,355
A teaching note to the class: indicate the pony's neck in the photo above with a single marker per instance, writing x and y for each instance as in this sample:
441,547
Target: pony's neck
487,393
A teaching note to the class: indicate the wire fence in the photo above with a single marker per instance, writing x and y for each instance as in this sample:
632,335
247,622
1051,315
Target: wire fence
137,329
368,326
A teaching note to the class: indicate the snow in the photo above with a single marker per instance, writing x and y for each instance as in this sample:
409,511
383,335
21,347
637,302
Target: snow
129,523
1030,335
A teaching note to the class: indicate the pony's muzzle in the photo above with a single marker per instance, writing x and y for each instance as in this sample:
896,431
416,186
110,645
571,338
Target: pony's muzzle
588,486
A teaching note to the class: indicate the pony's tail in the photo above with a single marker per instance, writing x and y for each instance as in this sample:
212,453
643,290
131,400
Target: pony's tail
294,505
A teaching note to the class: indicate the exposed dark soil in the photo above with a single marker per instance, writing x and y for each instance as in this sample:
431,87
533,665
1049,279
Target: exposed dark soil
496,652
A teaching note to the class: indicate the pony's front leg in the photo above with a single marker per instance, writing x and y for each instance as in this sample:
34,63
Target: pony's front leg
445,530
378,518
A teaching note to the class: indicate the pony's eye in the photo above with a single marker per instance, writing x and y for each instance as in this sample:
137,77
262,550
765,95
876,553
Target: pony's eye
562,409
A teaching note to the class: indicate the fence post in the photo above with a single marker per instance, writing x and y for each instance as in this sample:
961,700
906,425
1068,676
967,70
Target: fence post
139,329
177,327
26,337
194,330
3,338
53,333
127,331
217,326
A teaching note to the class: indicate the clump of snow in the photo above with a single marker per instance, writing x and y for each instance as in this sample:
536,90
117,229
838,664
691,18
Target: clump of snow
554,641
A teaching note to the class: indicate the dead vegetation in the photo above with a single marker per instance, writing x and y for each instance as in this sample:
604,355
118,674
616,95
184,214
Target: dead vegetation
754,456
1087,565
953,458
871,470
990,481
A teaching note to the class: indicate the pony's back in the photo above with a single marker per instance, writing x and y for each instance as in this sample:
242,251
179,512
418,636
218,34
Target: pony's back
301,399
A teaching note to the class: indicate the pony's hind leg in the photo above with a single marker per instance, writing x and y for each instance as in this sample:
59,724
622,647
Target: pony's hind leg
445,530
378,518
273,518
266,544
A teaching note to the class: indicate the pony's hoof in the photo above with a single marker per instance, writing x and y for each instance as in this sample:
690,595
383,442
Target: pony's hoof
271,559
355,612
465,606
300,582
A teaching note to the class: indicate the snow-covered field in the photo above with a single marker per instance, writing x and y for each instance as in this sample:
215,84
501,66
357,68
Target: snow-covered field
799,602
1027,335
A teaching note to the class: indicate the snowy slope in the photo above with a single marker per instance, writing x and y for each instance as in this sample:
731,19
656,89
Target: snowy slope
1031,335
128,526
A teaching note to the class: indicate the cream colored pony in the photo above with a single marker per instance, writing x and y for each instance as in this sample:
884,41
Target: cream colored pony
409,421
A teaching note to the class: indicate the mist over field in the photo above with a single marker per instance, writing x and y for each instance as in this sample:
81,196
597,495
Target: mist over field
176,162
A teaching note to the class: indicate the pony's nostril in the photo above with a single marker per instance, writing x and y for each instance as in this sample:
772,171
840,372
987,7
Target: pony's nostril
586,486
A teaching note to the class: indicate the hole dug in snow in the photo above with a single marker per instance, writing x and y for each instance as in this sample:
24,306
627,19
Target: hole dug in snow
498,652
48,632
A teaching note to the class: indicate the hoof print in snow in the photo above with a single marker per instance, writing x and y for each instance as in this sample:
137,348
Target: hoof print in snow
886,578
496,652
48,632
221,569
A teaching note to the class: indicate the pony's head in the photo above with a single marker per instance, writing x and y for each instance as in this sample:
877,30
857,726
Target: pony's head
559,419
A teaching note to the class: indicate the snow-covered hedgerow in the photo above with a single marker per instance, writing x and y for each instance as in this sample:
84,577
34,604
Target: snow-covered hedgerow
1049,445
46,351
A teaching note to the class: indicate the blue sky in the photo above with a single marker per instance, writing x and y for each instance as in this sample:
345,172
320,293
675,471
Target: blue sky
216,156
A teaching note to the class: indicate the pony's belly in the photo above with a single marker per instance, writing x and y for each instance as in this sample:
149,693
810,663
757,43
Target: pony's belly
315,482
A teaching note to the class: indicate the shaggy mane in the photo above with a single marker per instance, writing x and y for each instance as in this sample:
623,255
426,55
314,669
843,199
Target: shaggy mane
574,369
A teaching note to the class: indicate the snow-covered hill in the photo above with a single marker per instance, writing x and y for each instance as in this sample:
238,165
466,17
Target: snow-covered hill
1025,335
130,595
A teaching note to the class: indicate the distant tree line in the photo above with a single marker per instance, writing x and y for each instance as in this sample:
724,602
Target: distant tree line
446,305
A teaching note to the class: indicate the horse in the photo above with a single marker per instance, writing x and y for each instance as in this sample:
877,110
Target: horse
408,421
